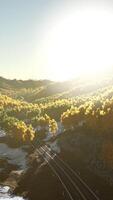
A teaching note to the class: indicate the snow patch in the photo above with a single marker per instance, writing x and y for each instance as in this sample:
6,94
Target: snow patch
5,194
14,156
54,146
2,133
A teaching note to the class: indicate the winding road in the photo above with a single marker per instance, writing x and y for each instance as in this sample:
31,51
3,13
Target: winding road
75,188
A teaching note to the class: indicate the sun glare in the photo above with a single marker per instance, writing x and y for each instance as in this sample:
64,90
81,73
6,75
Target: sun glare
79,44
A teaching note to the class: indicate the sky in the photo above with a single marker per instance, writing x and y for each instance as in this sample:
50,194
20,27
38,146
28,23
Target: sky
55,39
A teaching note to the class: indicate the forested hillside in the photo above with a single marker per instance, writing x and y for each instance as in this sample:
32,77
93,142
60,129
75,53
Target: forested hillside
79,118
21,119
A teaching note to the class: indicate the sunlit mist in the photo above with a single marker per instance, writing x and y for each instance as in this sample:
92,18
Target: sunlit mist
79,44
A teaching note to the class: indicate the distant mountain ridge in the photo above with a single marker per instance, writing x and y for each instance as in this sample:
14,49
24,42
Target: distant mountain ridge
19,84
34,90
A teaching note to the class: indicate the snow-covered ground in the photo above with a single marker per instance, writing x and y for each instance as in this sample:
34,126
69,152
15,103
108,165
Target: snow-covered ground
55,147
5,194
2,133
14,156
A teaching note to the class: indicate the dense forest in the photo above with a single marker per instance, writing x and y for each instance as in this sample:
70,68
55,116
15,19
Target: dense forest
22,120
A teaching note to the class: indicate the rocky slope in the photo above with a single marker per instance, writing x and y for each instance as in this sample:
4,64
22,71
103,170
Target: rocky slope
84,152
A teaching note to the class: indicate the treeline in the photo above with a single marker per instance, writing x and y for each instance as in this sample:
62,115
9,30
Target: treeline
94,114
22,120
16,129
24,110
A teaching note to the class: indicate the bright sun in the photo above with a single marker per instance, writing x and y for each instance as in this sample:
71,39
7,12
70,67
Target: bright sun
79,44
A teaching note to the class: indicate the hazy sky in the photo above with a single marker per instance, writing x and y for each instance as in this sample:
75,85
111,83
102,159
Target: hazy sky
30,37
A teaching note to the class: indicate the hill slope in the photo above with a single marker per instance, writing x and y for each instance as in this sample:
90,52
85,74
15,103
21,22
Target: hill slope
36,90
